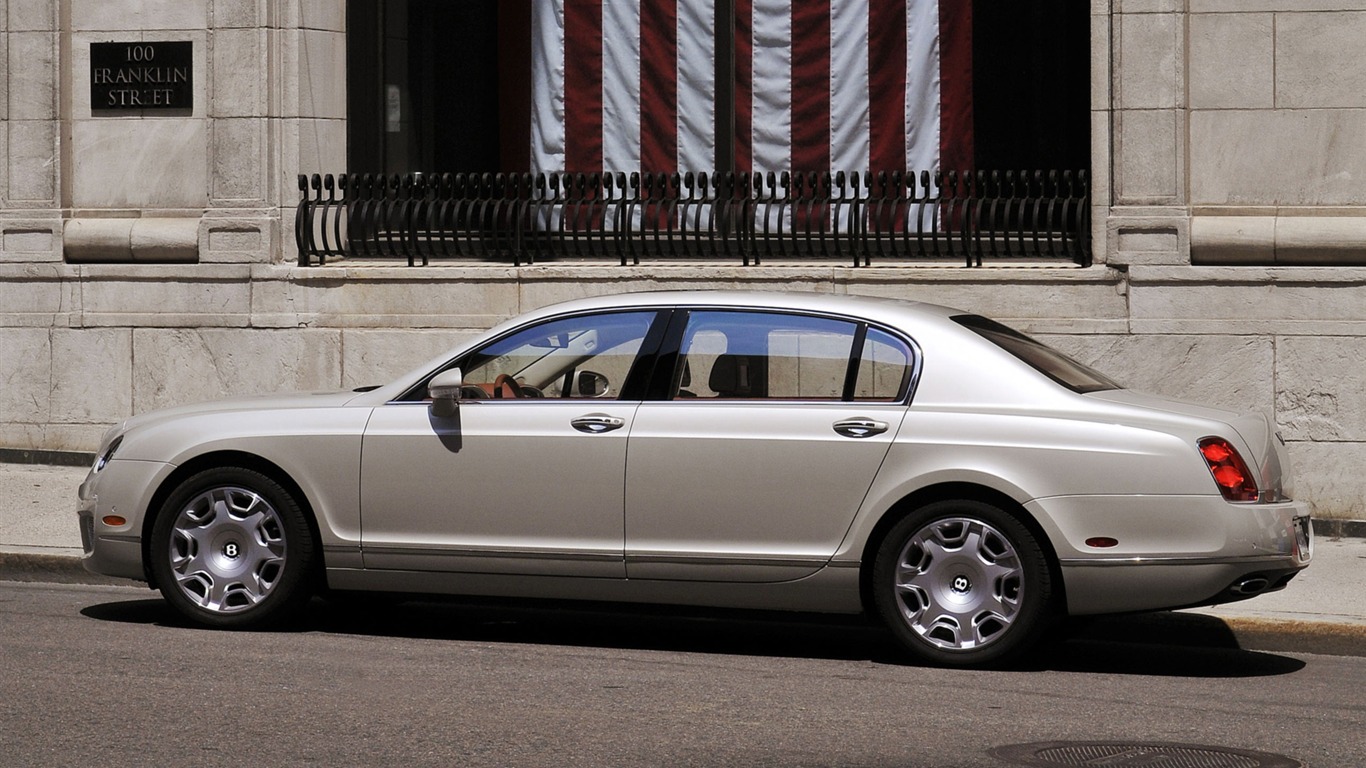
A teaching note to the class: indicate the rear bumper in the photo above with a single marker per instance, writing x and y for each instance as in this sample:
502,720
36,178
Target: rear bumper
1218,553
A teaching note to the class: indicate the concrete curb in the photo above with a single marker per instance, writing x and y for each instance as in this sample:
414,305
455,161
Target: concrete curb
52,568
1339,529
39,456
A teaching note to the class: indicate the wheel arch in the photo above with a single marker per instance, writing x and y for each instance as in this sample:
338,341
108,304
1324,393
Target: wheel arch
214,460
953,491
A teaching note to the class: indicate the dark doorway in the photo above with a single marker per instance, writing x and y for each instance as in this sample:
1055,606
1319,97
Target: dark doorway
428,84
1031,84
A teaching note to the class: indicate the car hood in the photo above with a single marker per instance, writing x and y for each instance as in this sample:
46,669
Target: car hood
327,399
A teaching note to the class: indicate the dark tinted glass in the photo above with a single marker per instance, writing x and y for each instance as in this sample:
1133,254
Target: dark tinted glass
1041,357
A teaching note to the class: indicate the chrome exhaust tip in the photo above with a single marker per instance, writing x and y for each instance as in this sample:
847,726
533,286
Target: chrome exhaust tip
1251,586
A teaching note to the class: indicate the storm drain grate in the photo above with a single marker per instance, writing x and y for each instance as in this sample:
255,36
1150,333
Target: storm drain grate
1149,755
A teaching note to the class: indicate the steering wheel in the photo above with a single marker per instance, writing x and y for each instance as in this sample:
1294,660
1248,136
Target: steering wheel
506,387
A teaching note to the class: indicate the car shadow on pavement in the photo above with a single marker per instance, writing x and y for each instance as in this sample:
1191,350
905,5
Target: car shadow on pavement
1149,645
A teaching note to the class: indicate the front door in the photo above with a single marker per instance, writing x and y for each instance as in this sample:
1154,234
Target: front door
527,477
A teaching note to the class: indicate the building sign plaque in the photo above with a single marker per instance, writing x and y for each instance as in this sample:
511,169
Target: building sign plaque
140,76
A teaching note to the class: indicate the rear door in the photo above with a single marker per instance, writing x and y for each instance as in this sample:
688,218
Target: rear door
760,448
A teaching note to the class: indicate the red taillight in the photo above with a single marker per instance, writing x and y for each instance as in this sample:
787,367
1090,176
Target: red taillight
1235,482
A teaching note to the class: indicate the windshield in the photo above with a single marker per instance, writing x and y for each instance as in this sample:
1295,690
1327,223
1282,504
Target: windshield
1042,358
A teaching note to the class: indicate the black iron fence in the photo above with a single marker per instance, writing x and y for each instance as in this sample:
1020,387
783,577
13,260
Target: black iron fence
747,218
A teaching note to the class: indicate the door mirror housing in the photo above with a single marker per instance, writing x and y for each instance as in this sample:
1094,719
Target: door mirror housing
444,390
591,384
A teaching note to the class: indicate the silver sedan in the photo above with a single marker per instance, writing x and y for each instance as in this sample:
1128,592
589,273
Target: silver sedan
961,481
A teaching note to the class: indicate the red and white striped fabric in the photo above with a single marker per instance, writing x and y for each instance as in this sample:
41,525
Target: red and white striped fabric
819,85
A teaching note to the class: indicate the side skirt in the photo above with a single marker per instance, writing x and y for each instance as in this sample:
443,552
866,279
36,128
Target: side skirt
829,590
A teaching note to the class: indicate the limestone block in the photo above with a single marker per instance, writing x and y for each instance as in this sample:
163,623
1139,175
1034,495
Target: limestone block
1032,307
25,375
238,73
1320,239
238,160
165,240
4,77
380,356
1102,184
1148,6
1151,66
95,240
1149,240
400,297
1232,62
551,284
159,240
1148,147
158,163
1242,300
1235,372
52,437
1280,157
321,145
1102,78
1321,384
1318,61
92,375
238,14
1290,6
314,59
32,76
36,295
32,167
322,14
139,15
236,239
31,15
1233,239
165,295
28,241
1329,475
177,366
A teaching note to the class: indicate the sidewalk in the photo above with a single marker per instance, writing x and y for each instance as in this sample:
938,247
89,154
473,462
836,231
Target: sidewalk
1323,608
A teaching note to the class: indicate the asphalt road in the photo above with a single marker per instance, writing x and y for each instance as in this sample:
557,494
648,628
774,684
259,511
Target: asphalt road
109,676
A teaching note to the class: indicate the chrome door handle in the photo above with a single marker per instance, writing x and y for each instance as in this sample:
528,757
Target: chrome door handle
860,427
597,423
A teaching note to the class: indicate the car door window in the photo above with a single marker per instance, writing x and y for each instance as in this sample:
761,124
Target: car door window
884,367
586,356
731,355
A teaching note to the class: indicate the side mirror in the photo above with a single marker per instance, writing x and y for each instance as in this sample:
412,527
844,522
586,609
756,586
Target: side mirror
444,389
592,384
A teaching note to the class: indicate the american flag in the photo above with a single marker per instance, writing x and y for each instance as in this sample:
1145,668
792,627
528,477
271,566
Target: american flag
621,85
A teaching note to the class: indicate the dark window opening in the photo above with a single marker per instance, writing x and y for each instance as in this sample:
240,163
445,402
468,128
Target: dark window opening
437,87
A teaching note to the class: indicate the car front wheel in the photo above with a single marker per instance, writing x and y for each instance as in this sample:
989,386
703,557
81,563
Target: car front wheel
231,548
962,583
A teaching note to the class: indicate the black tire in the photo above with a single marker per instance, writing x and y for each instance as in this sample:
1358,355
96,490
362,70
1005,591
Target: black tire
963,583
231,548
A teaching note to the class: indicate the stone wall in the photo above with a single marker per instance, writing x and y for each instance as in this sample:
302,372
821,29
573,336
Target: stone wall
144,260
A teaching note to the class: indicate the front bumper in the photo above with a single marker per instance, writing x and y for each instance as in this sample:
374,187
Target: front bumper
123,489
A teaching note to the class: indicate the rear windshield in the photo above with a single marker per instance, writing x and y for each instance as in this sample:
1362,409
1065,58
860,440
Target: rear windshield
1042,358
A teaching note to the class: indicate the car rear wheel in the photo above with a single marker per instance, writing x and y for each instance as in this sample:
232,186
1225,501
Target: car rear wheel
231,548
962,583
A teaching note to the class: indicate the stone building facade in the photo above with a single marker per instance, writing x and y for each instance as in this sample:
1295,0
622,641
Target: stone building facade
147,258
